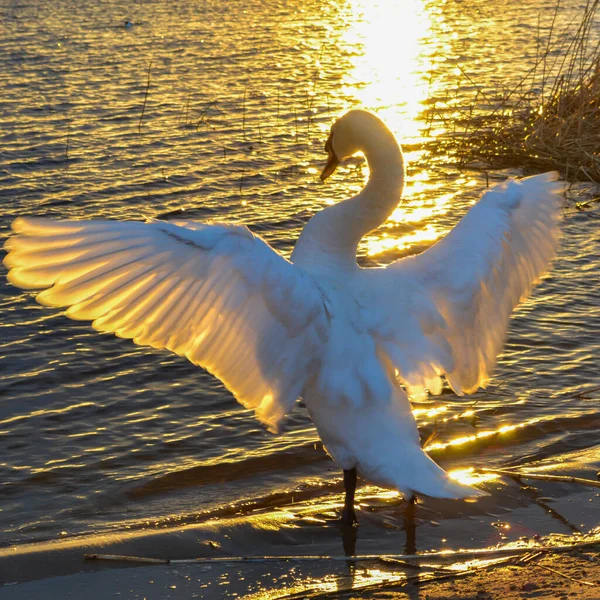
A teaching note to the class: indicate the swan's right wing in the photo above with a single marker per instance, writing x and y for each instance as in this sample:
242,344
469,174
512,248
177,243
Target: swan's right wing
446,311
216,294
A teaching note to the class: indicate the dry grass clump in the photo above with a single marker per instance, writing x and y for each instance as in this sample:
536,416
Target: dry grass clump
550,120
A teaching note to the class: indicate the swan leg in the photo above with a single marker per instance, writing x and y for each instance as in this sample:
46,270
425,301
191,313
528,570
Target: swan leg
348,514
410,525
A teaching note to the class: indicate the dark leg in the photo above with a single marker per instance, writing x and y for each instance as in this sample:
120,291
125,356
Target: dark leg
410,526
348,514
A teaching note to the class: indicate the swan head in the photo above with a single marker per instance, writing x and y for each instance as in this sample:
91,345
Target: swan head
351,134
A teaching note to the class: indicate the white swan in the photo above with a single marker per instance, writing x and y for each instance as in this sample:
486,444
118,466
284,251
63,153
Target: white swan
348,340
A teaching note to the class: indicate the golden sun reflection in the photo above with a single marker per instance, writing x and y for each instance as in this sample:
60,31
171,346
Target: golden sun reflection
430,412
376,246
388,44
501,431
390,66
388,47
471,477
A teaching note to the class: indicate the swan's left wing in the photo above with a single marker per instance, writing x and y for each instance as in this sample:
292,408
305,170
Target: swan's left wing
446,311
217,294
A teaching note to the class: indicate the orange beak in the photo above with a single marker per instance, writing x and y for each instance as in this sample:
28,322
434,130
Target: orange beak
332,160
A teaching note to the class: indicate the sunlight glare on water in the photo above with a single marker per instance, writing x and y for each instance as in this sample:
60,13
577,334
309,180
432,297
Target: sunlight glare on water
390,73
389,64
470,477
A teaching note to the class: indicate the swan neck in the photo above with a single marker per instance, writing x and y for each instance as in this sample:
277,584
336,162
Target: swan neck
386,176
329,241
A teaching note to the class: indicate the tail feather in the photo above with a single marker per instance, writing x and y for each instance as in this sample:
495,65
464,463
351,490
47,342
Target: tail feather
433,481
445,487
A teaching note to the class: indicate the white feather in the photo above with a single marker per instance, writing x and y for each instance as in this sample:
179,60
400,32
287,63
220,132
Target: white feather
172,285
471,281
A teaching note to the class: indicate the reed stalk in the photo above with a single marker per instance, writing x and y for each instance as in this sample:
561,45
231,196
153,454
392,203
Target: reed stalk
145,98
452,556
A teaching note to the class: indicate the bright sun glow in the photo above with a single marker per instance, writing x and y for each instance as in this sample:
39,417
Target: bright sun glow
471,477
389,53
390,69
428,233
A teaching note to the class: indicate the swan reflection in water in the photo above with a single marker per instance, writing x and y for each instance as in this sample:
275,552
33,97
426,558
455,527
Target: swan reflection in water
355,343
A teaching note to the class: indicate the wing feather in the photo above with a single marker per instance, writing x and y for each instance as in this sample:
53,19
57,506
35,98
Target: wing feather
216,294
450,305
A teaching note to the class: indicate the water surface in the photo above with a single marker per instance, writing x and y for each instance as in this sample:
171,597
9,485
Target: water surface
219,111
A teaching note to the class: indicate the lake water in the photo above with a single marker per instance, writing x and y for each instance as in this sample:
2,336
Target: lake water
219,111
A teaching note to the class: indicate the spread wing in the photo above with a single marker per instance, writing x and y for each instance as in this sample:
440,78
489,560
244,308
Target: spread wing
446,311
216,294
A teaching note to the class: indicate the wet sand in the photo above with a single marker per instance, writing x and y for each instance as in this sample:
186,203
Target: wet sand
550,576
58,569
553,576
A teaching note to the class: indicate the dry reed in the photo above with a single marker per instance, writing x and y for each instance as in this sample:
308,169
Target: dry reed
550,119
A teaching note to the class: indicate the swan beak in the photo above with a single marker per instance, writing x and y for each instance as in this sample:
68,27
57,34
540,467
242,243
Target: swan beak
332,160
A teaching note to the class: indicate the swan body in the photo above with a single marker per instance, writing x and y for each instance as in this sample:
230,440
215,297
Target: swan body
354,343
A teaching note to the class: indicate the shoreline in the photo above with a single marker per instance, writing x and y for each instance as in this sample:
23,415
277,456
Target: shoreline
550,576
57,569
